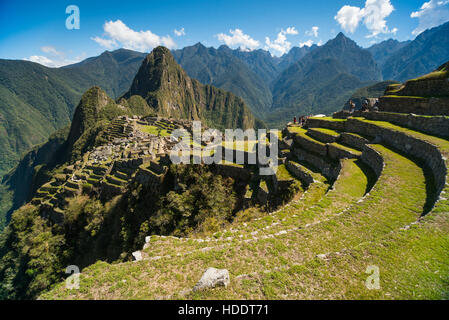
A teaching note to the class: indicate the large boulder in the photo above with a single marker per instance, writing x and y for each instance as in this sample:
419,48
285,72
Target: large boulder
213,278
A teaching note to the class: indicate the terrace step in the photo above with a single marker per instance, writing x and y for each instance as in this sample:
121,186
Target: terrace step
339,151
327,123
323,135
115,181
301,139
353,140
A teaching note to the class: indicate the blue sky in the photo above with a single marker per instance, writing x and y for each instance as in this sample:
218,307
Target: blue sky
37,30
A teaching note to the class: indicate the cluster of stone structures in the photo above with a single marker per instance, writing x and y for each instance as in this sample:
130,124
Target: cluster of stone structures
130,153
138,150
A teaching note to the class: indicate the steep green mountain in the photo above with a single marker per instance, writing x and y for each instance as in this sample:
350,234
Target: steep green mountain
171,92
383,50
220,68
112,71
259,61
294,55
323,80
424,54
36,100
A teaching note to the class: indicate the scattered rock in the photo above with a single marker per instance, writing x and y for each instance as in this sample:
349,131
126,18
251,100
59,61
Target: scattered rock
137,256
213,278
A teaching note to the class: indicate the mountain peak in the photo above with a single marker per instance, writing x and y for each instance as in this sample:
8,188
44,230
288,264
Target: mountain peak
87,111
168,89
341,35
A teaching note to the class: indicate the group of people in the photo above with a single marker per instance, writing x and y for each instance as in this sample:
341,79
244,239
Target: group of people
302,120
365,106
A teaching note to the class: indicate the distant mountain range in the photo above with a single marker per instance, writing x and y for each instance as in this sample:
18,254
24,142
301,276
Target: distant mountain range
383,50
36,100
323,79
424,54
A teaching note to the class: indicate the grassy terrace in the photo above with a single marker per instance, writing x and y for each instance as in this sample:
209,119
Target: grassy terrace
346,148
301,132
328,119
247,145
327,131
154,130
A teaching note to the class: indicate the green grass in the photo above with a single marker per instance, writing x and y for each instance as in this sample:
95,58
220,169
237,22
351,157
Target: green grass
346,148
154,130
327,131
328,119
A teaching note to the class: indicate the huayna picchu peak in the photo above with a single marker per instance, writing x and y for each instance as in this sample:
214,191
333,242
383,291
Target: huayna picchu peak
172,93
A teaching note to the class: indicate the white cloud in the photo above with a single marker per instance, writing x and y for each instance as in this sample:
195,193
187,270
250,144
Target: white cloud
349,18
291,30
308,43
54,63
54,58
373,16
179,33
120,34
238,39
280,44
51,50
313,32
431,14
106,43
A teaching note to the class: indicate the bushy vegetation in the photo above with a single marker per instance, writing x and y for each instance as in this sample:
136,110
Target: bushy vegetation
201,201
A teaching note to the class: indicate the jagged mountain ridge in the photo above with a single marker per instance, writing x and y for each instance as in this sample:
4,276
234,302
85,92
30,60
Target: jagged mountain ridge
322,80
427,52
222,69
385,49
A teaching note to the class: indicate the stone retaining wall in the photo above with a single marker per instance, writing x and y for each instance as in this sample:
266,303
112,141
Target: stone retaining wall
311,145
424,106
132,163
330,169
336,153
234,172
353,141
425,88
412,146
321,136
373,159
296,170
436,125
323,123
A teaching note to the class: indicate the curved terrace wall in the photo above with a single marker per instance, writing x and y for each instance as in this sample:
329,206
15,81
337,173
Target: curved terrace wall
420,149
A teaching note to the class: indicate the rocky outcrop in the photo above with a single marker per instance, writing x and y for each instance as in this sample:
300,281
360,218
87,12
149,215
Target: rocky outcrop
213,278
